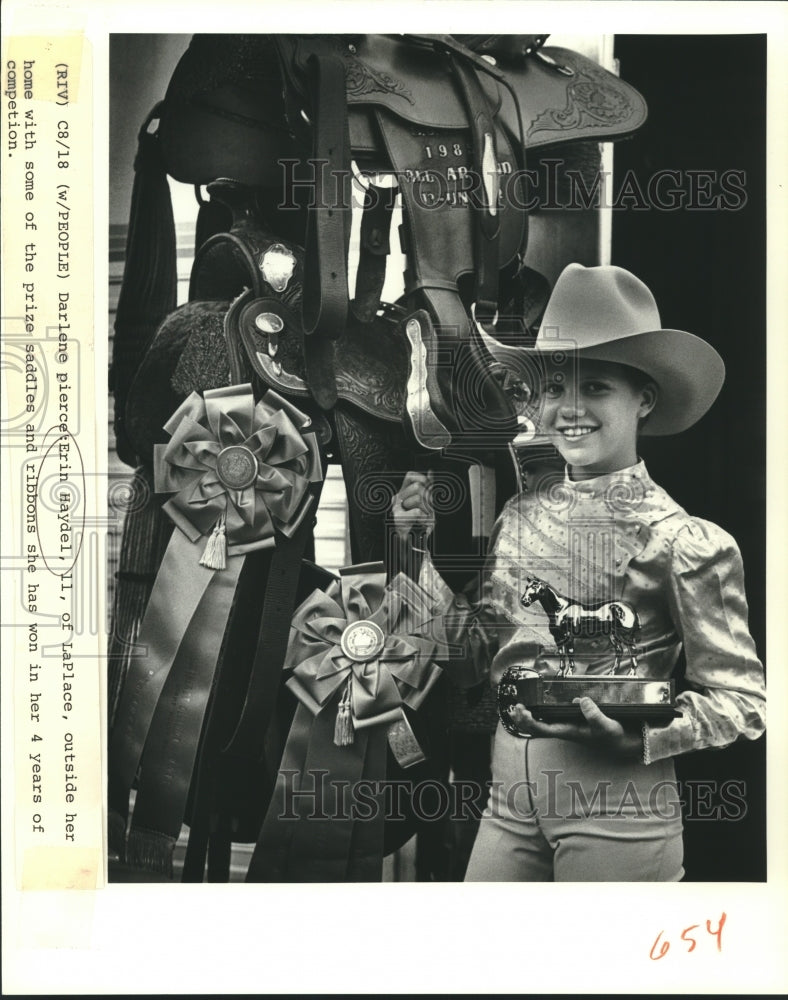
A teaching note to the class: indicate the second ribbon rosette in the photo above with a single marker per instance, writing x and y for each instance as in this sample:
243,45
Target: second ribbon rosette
374,644
360,655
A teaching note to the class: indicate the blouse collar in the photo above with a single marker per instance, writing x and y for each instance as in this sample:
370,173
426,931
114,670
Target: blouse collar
635,478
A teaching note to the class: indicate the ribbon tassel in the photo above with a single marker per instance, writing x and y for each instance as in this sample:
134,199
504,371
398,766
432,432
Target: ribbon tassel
215,554
343,728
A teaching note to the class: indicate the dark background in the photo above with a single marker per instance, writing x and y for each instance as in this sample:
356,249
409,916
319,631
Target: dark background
707,269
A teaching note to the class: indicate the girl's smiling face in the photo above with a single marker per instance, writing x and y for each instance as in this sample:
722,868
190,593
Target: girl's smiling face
591,411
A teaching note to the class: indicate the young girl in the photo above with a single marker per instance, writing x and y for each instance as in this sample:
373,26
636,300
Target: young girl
593,800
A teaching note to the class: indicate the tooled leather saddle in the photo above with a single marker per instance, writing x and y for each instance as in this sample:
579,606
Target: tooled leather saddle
295,118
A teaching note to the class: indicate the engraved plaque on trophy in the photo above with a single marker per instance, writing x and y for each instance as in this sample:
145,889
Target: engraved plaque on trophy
551,699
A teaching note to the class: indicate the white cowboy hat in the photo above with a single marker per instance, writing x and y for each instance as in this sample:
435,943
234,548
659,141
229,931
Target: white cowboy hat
607,314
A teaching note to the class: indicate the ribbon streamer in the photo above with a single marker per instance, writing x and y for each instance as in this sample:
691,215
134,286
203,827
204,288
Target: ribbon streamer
246,466
314,830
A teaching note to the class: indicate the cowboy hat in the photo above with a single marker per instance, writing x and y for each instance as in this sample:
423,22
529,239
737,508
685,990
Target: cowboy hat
607,314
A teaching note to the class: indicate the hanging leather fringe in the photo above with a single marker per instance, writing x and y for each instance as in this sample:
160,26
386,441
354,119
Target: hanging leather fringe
149,289
150,851
343,728
146,532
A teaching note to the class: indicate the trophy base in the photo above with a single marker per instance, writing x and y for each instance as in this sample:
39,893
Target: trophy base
630,700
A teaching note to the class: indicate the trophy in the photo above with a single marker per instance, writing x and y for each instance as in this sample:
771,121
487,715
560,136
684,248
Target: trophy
625,697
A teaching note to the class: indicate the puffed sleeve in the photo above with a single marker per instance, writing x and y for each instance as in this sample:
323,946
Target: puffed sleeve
707,602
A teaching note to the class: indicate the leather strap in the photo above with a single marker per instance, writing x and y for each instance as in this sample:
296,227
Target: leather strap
506,47
235,349
280,592
438,219
325,296
328,224
373,250
486,211
148,291
450,43
249,737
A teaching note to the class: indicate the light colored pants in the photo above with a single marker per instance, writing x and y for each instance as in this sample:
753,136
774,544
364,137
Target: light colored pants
560,812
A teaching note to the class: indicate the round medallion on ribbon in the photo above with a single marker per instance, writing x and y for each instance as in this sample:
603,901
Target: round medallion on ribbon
362,641
363,650
236,467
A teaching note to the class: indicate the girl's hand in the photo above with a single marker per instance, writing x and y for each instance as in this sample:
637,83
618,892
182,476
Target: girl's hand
598,730
412,506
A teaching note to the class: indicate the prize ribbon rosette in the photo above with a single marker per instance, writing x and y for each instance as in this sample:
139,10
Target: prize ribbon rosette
242,477
359,655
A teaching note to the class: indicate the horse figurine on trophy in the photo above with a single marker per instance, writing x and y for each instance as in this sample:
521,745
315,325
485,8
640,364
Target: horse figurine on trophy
570,620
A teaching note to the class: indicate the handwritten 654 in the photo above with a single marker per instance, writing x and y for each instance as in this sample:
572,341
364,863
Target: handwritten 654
692,936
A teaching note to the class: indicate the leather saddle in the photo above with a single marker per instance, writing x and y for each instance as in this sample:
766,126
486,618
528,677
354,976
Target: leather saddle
244,315
295,117
442,123
226,112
